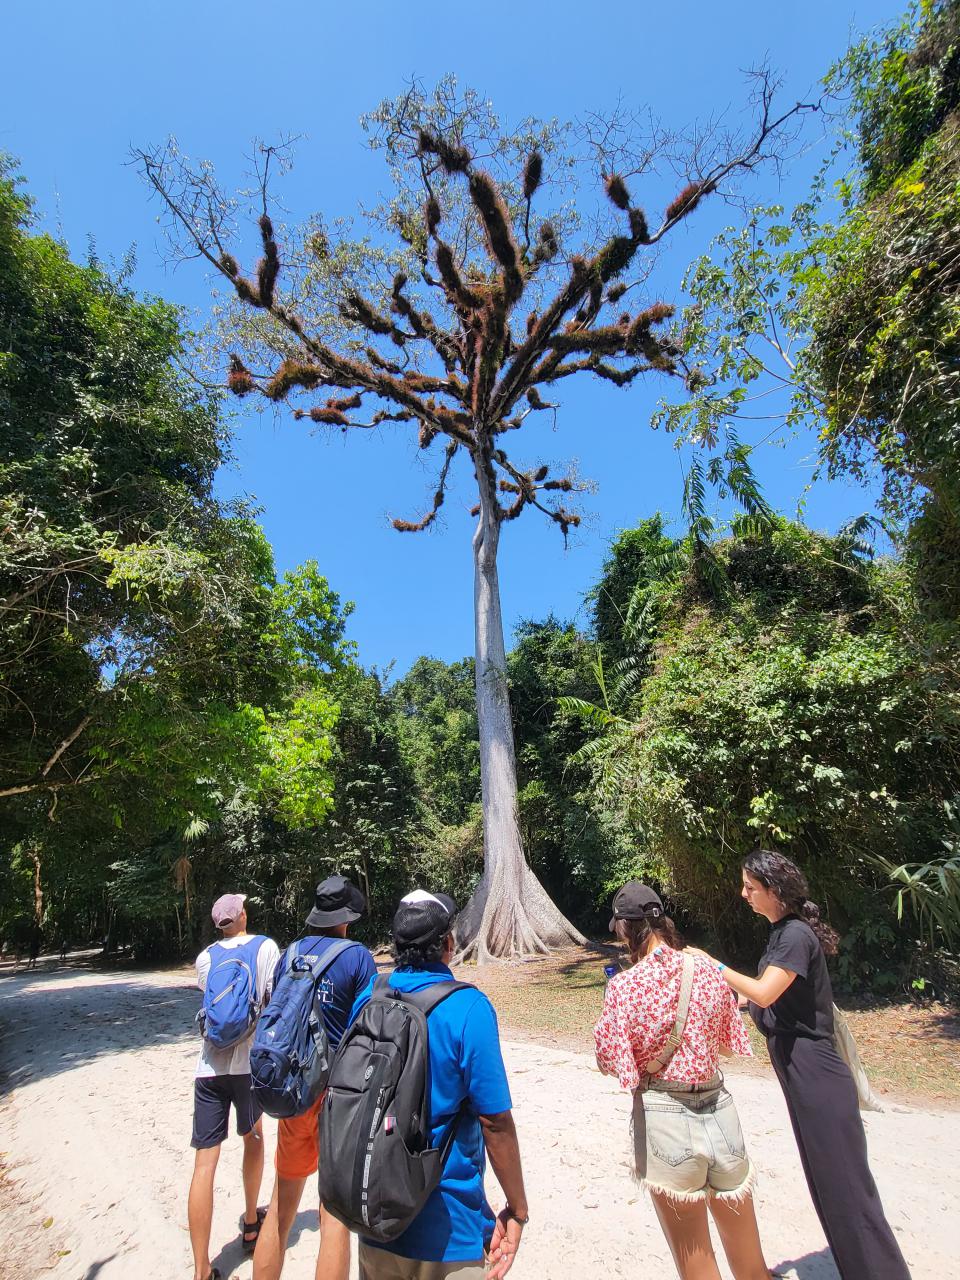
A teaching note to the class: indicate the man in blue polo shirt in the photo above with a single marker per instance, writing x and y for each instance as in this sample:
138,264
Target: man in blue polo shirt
456,1232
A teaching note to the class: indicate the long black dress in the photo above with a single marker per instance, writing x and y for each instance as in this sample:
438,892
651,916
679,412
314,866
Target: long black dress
822,1102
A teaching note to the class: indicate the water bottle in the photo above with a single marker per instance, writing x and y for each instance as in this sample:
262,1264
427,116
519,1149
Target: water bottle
611,971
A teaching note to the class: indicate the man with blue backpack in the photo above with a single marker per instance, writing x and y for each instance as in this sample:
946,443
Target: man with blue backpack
235,975
316,983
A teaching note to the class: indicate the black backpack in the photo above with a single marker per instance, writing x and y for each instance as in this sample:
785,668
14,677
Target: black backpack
376,1166
290,1055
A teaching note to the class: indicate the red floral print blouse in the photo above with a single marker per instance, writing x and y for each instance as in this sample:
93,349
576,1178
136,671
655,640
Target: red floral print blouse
640,1008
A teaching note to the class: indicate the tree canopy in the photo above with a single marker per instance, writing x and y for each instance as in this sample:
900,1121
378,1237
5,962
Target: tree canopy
153,663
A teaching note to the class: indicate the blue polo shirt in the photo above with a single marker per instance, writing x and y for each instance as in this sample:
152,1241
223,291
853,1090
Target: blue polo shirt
339,987
456,1223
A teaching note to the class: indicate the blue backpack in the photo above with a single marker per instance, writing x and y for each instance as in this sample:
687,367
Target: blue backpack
230,1005
290,1056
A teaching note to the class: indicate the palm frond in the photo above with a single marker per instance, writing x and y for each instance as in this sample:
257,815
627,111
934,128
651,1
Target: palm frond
599,717
931,891
857,536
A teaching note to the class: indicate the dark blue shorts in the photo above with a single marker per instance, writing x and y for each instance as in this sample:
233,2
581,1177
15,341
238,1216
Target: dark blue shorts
212,1099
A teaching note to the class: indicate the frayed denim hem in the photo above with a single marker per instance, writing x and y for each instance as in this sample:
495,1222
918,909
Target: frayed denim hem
735,1196
741,1193
681,1197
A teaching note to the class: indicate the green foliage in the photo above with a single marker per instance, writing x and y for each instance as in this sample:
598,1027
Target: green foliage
300,747
884,315
565,842
846,320
437,707
149,653
903,86
372,832
795,709
154,665
743,333
931,890
626,592
850,326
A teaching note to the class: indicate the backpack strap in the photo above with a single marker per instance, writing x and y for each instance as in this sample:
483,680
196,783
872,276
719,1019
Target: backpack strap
321,964
674,1039
318,964
426,1001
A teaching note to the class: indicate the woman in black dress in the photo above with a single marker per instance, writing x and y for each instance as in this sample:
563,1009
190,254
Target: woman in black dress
791,1002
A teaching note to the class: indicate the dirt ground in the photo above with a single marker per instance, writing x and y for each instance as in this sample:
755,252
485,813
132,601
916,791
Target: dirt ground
97,1073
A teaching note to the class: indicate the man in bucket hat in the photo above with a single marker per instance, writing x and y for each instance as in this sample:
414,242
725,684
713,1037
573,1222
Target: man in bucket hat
337,904
456,1233
223,1080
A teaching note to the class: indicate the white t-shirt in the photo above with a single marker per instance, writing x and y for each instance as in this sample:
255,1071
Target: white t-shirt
235,1061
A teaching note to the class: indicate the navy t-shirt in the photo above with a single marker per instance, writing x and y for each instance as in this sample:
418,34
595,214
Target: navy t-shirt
456,1223
340,985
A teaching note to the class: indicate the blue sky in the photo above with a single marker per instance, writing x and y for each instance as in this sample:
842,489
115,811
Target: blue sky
86,82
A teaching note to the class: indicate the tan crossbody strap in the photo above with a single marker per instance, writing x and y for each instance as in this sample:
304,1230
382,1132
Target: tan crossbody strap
662,1061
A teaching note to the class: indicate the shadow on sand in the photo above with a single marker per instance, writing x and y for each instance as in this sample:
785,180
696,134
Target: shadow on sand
50,1023
232,1254
95,1268
812,1266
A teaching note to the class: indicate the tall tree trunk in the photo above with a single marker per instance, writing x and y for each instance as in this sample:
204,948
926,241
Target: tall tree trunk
510,912
36,931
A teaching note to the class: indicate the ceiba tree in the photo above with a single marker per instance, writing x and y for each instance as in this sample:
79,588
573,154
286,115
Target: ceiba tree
463,331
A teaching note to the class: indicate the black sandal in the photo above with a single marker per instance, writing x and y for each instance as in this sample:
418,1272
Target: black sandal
250,1232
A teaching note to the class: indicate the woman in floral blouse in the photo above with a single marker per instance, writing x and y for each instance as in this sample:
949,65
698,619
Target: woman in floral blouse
690,1153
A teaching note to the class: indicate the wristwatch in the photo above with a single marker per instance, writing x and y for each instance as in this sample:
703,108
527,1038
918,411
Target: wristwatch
516,1217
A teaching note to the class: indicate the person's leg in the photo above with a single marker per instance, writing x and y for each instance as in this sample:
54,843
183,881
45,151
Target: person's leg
685,1225
200,1210
379,1264
333,1260
737,1225
250,1128
731,1177
781,1059
252,1172
276,1226
833,1148
211,1113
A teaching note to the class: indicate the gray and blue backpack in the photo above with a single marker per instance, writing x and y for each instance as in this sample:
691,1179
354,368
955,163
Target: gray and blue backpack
290,1056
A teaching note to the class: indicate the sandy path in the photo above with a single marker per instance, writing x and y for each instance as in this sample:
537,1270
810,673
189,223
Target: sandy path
95,1128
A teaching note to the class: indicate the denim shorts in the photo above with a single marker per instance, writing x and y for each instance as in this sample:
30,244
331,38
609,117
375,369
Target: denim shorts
688,1143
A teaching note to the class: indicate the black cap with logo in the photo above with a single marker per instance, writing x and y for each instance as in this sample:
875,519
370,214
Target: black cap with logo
636,901
423,918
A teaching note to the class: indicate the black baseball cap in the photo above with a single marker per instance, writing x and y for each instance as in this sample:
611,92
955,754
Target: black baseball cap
337,901
422,918
636,901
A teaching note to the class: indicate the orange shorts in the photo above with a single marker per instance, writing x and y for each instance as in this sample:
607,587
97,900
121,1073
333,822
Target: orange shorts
298,1143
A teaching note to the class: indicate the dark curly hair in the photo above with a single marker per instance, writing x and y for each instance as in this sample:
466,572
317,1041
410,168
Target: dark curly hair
635,935
418,957
784,878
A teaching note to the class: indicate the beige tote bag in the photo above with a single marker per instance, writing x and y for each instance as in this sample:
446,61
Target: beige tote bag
846,1047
